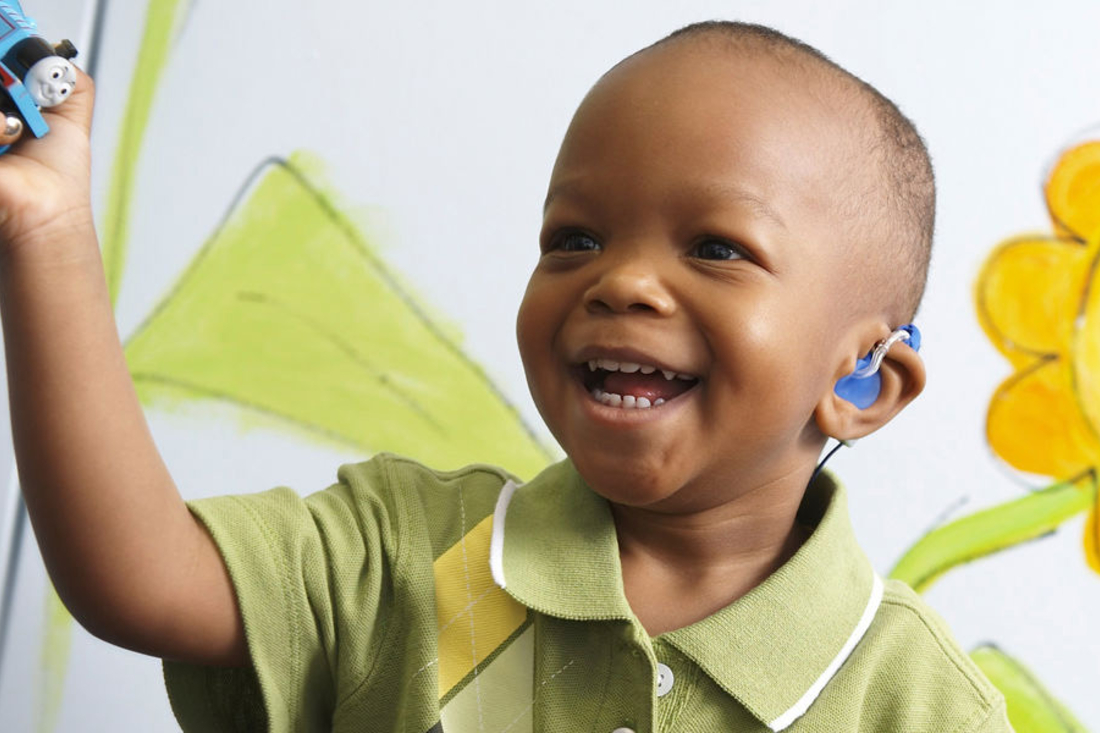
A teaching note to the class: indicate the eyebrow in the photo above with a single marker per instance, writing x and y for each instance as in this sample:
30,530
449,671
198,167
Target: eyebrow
714,192
569,188
751,200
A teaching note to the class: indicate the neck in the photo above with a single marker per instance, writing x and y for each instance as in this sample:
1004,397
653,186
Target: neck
681,567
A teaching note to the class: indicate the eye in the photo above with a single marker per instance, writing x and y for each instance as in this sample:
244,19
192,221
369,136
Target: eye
717,249
574,242
55,74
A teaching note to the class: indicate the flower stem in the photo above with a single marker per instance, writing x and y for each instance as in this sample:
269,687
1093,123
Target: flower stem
163,18
994,529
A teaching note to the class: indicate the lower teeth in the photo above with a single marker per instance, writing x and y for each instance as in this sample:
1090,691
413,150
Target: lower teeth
626,402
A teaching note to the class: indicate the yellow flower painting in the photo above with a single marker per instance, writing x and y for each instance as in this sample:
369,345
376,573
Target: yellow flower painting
1038,302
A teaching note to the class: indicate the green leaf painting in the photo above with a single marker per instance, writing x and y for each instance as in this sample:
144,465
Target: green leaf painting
288,313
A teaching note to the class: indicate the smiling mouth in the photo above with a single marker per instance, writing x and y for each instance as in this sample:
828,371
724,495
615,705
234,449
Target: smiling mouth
629,386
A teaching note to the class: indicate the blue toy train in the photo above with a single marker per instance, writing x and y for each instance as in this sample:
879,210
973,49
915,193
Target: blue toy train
34,74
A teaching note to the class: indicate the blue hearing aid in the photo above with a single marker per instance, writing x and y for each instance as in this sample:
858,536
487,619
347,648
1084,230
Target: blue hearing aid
862,386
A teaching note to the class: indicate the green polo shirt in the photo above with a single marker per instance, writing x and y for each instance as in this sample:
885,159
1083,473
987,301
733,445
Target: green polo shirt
406,599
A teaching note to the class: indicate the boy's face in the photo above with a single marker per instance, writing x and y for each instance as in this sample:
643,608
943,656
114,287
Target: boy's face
691,226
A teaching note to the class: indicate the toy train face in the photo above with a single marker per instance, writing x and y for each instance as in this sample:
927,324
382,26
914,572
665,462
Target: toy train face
33,74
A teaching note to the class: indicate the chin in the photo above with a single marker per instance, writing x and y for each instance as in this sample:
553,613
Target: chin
622,481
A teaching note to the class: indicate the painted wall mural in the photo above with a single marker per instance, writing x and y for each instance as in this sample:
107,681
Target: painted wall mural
292,317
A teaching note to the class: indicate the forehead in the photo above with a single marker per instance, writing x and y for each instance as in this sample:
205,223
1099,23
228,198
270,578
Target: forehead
683,117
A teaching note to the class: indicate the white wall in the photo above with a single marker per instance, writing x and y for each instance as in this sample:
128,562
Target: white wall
446,116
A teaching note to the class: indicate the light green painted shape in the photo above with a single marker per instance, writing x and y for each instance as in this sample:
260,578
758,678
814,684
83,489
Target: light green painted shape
288,313
501,698
162,19
994,529
1031,707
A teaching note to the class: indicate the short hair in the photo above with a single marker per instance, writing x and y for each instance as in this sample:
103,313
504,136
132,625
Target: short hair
908,190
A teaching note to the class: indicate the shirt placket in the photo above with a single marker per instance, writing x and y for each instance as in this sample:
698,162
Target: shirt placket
594,676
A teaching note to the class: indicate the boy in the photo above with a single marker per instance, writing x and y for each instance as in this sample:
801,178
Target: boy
731,223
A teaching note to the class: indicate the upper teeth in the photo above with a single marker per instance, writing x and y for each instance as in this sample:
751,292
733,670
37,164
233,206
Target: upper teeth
629,367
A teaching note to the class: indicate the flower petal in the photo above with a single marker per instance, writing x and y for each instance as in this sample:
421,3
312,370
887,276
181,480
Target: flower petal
1034,423
1092,539
1028,294
1073,191
1085,350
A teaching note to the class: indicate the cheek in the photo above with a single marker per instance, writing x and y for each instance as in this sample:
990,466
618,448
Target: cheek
760,347
803,369
773,364
536,324
528,323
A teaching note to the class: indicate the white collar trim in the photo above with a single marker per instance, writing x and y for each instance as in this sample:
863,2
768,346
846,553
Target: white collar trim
799,708
496,541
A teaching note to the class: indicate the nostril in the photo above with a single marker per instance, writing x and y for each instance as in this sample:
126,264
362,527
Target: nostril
595,305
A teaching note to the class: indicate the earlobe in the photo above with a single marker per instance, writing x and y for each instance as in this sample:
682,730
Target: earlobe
863,402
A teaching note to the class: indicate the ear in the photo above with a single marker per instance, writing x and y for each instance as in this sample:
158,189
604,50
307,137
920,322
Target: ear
903,377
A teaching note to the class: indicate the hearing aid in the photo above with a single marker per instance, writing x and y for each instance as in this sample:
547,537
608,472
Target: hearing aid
862,386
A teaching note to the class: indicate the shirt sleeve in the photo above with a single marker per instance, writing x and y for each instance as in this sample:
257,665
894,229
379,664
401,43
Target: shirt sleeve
300,568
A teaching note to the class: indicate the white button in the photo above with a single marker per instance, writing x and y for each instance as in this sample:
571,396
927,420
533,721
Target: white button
623,730
665,678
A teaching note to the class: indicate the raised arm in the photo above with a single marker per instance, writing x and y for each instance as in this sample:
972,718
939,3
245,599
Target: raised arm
127,558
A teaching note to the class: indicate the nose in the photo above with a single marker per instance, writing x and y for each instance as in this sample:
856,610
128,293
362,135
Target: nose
629,286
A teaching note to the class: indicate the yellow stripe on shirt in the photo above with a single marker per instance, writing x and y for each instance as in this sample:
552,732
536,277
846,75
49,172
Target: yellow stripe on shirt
474,615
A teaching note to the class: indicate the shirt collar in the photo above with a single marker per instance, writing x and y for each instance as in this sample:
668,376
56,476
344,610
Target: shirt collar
554,550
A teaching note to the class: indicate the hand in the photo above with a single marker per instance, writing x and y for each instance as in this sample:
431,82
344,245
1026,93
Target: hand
45,194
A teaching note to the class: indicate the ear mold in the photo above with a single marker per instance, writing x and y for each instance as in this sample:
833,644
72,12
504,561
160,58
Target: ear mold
862,386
